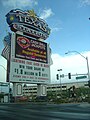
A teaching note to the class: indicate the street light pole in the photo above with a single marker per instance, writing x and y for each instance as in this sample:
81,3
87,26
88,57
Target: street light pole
3,67
88,68
86,58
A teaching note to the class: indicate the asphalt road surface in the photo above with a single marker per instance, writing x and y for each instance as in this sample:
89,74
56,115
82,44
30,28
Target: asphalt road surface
30,111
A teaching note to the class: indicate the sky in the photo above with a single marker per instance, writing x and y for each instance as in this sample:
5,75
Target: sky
70,31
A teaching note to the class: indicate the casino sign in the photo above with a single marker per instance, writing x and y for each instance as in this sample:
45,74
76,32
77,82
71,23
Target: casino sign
28,23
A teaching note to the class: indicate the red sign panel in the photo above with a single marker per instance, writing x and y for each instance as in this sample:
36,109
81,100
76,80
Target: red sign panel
29,49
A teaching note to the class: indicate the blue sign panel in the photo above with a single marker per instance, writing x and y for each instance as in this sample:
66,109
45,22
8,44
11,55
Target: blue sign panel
28,22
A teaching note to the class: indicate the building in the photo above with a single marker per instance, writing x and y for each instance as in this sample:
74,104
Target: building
4,88
31,91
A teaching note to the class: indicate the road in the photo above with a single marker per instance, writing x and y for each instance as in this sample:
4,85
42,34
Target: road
30,111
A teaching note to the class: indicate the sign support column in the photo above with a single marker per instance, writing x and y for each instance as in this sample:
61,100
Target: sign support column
41,90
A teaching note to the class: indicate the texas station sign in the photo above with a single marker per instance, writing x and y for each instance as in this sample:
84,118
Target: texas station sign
30,57
28,23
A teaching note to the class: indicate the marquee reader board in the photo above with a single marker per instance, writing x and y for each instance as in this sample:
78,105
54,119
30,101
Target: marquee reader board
30,60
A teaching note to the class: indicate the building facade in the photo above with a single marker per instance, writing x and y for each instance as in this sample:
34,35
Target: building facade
31,91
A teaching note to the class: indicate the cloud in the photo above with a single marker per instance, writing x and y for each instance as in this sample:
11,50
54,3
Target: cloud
84,2
19,3
72,63
56,25
3,68
46,13
55,29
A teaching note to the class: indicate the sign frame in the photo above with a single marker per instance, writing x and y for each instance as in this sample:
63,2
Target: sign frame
28,71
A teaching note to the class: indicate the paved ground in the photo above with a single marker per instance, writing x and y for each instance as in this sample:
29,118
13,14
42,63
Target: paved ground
45,111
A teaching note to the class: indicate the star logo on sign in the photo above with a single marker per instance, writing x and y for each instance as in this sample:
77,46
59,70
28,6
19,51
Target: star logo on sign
11,18
32,13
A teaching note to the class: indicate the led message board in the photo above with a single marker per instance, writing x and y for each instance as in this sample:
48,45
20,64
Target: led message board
29,49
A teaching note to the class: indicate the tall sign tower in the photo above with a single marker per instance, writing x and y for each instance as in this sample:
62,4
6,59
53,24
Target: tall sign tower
29,54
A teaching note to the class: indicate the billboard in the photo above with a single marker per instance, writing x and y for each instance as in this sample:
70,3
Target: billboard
30,58
29,49
26,67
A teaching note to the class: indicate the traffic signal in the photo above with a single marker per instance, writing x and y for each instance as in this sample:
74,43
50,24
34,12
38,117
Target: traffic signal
69,75
89,83
57,76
